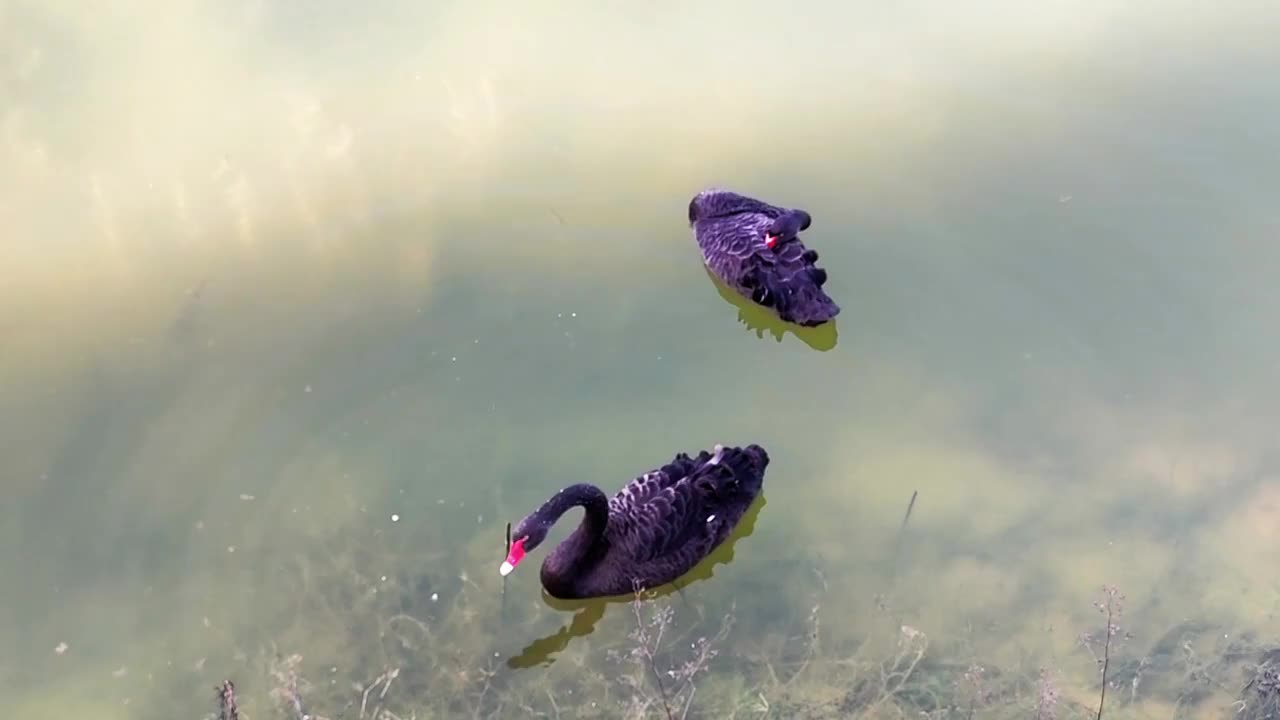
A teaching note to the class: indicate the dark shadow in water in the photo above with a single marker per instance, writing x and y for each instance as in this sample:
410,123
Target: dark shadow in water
760,319
542,650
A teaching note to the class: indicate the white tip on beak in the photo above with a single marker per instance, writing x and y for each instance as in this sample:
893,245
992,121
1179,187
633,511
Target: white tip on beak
506,568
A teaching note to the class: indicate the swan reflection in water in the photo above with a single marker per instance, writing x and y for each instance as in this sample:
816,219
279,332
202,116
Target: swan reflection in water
760,319
589,611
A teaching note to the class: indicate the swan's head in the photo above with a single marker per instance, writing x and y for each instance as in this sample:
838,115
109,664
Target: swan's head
527,537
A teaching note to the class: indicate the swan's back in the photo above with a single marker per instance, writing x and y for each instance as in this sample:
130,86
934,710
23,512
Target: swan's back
666,521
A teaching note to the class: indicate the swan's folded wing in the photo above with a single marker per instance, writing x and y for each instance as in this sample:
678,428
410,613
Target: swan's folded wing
643,487
663,523
791,254
738,238
675,520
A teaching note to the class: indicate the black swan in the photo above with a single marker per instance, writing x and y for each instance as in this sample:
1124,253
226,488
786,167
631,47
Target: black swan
755,248
653,531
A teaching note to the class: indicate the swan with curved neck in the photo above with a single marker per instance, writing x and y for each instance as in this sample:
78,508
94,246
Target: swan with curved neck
655,529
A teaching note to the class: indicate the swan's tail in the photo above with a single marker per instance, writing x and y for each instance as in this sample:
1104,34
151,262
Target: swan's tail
731,470
795,291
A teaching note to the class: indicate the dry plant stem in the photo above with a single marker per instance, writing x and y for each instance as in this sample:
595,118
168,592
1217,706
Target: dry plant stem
887,678
649,653
1111,608
502,608
810,653
554,706
910,506
688,703
385,681
1106,660
488,673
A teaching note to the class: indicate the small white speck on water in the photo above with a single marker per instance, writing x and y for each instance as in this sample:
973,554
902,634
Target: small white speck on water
384,578
440,501
61,648
120,672
479,519
475,342
231,548
710,518
559,315
435,597
495,654
573,314
333,669
395,517
453,359
199,524
245,496
306,389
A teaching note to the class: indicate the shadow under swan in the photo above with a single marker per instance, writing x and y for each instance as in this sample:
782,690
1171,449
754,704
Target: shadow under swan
759,319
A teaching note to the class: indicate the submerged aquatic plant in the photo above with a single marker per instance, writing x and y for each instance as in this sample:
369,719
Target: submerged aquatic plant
974,688
1261,695
1046,696
675,699
228,708
287,691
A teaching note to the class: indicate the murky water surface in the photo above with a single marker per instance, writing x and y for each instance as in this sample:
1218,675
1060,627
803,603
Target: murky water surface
300,306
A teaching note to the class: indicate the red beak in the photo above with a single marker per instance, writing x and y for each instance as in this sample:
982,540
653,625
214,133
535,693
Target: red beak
513,557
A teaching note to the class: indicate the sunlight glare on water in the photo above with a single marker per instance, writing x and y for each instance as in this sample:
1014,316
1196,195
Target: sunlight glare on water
299,306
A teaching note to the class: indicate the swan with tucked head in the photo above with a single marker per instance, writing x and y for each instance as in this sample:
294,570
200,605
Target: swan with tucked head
755,248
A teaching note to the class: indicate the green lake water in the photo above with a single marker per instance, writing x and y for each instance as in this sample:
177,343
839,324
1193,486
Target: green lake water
299,306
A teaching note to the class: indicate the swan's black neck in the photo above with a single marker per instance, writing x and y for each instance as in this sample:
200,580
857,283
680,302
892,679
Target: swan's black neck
590,497
587,544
